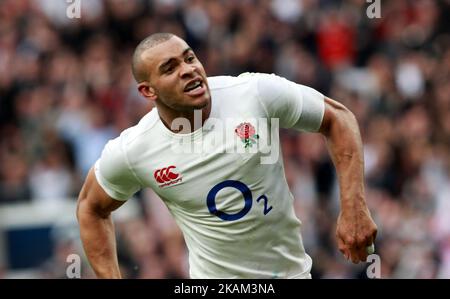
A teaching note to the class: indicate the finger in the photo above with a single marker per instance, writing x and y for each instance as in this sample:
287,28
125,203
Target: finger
349,245
359,251
356,245
341,245
355,255
362,253
348,255
355,258
343,248
370,239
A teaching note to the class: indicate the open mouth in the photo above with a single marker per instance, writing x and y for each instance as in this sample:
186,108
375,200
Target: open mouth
195,88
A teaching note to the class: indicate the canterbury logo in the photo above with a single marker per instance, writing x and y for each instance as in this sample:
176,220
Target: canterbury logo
165,176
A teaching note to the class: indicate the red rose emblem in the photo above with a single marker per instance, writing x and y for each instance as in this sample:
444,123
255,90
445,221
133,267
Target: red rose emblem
247,133
245,130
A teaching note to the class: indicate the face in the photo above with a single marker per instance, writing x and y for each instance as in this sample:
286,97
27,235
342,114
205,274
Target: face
177,79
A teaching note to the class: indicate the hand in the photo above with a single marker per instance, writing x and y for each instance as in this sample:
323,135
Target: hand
355,232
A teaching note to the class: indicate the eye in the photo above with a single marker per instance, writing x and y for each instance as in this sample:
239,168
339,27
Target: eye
190,58
169,69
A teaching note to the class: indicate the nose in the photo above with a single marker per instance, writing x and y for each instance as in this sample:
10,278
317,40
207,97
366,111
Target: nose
187,70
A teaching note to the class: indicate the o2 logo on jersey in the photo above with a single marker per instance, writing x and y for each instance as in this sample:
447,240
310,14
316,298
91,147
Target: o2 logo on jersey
248,200
166,177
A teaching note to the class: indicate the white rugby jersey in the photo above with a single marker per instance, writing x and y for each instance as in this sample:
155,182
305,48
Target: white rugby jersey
236,213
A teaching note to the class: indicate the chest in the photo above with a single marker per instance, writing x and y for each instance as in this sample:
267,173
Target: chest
185,171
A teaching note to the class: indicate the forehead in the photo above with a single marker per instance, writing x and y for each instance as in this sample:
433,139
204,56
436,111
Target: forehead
160,53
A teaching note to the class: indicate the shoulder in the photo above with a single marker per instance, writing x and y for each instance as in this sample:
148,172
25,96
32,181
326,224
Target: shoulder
114,157
118,147
145,125
246,92
260,84
259,80
221,82
224,82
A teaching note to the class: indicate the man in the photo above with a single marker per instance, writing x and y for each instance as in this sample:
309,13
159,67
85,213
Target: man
235,212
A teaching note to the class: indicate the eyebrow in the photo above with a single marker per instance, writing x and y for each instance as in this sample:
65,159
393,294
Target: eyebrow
169,61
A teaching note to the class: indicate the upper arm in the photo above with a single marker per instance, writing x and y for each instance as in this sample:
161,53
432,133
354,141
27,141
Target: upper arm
95,198
296,106
113,172
335,113
111,181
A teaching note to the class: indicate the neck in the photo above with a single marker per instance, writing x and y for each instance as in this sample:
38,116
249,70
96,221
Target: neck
183,121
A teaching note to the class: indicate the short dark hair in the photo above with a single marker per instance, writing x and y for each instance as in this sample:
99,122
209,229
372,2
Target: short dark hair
139,73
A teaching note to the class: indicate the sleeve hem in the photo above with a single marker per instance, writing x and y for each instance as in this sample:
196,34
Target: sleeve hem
313,110
106,186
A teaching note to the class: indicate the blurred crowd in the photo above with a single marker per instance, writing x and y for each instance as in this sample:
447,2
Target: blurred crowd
66,89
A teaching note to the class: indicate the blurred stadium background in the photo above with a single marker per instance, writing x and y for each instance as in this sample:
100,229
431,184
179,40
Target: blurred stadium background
66,88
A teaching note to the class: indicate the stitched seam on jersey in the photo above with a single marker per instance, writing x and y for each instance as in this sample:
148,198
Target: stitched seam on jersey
129,165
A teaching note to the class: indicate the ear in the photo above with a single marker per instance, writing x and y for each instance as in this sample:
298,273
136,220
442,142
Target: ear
147,91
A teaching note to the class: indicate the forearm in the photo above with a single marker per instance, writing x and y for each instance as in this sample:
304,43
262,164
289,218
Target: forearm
99,242
345,148
355,229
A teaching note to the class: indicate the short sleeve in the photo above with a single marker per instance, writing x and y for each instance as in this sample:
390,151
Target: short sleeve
113,172
296,106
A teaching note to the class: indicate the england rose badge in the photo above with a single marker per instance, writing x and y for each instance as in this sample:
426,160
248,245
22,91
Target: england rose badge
246,131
